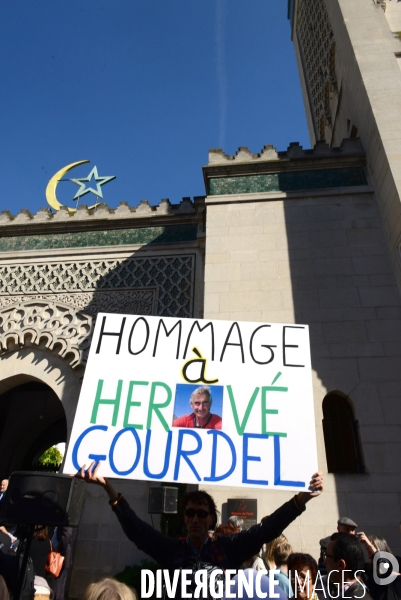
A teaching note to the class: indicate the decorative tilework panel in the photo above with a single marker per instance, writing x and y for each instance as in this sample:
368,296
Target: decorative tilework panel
172,276
288,182
129,302
110,237
317,45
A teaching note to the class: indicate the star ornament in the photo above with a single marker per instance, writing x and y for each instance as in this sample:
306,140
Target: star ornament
81,181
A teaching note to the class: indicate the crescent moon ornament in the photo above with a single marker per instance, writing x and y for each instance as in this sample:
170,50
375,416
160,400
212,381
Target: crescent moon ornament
52,185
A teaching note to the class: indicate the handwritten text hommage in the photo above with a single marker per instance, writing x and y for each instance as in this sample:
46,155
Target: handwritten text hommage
140,377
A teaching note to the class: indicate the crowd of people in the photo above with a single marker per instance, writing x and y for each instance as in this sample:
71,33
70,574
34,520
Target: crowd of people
251,563
13,539
344,568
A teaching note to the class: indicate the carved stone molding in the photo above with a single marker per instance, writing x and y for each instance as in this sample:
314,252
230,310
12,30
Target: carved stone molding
243,156
52,325
63,323
173,276
102,212
132,302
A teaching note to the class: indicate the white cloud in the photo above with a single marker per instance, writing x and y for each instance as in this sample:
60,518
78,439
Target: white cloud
221,69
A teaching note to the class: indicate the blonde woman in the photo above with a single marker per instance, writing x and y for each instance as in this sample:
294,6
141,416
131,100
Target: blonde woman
268,551
109,589
280,555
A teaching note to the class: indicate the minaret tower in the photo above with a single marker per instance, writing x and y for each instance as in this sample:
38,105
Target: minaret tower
349,59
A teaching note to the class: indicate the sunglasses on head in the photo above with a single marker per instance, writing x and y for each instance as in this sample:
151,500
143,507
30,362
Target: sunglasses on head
191,512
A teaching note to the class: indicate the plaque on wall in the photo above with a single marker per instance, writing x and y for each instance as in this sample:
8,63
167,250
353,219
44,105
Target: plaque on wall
245,509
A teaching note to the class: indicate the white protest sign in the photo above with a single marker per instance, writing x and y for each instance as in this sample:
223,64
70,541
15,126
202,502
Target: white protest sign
134,410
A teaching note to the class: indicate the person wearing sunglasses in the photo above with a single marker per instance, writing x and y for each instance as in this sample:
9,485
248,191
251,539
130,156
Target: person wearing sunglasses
200,515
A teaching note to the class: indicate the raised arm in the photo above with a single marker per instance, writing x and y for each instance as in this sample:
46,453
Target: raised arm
144,536
241,546
370,548
92,475
316,488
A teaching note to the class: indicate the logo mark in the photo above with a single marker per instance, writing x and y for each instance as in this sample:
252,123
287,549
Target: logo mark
385,568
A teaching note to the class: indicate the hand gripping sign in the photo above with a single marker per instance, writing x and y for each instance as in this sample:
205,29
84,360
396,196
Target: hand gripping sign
184,400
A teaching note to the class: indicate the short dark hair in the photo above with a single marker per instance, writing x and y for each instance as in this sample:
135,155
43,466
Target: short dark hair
348,548
201,497
298,561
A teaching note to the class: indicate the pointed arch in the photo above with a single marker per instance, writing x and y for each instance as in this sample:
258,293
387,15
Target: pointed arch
32,419
341,436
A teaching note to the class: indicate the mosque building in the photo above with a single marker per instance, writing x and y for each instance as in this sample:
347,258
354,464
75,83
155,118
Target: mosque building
295,236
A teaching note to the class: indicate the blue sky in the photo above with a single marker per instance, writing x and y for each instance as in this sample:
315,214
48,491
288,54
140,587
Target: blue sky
141,89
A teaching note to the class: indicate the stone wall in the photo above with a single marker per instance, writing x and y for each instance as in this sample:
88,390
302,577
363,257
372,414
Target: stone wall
57,272
320,258
360,93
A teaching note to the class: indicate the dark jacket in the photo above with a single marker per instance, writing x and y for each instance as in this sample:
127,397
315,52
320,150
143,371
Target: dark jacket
64,538
38,552
227,552
356,591
391,591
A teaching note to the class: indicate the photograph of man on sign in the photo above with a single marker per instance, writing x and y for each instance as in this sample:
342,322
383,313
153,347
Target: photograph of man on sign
201,403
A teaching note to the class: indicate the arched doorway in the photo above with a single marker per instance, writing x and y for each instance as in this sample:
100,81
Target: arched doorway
32,419
341,438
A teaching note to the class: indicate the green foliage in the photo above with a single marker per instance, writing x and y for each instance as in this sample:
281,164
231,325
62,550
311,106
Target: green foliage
51,457
131,576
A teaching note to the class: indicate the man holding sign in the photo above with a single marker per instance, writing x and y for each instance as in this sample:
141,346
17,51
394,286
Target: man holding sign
140,374
199,513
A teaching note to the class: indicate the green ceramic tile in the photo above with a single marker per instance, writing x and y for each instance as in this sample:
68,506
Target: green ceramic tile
110,237
288,181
